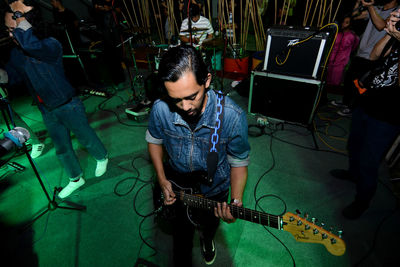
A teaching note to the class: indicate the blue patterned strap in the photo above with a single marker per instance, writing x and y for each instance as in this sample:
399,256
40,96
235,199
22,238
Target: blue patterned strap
212,156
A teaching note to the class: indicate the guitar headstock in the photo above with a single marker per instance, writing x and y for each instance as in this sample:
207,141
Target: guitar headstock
308,232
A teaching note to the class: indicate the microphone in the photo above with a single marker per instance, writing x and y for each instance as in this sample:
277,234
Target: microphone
15,137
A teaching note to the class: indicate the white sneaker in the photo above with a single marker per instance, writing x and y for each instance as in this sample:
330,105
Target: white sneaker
37,150
71,187
338,103
346,112
101,167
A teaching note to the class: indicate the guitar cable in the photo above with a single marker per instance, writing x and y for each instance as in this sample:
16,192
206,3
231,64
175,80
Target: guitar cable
271,195
101,107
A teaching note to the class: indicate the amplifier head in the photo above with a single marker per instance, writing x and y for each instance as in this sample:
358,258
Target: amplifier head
303,59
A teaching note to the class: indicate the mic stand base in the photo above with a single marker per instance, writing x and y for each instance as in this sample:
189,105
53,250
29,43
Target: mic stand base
52,202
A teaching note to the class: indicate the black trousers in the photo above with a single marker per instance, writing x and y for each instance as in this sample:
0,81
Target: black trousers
183,229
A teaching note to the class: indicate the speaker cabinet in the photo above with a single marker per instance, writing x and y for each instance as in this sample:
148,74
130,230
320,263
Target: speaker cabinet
286,98
304,59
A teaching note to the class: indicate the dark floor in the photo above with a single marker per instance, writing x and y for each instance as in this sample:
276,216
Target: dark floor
286,173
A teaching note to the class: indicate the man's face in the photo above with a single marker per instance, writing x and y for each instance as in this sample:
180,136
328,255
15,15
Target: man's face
54,3
188,96
10,23
196,18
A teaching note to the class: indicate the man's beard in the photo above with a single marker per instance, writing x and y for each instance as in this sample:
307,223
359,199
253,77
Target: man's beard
189,118
197,112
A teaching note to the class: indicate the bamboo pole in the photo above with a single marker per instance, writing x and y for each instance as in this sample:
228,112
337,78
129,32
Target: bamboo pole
134,13
315,9
173,19
308,12
305,13
159,12
263,35
326,13
276,11
287,11
233,21
334,17
319,13
282,12
129,14
140,12
246,24
330,11
323,13
156,19
146,8
209,10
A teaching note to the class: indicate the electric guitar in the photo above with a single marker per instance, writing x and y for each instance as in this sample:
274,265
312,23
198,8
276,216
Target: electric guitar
301,229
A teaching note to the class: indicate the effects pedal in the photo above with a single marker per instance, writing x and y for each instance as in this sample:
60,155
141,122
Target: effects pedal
138,113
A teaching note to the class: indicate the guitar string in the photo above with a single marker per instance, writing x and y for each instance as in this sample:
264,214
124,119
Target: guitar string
200,202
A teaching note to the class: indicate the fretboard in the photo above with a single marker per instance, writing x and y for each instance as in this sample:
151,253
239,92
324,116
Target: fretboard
237,212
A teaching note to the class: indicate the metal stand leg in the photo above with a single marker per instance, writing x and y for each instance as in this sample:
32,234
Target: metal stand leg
52,203
75,55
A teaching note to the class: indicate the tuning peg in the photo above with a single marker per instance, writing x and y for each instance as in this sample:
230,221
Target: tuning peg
313,220
322,224
298,212
331,229
306,215
340,233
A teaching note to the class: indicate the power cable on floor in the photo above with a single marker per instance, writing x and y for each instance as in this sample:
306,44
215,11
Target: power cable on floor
143,216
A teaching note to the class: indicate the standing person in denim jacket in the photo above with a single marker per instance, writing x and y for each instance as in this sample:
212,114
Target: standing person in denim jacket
38,63
181,124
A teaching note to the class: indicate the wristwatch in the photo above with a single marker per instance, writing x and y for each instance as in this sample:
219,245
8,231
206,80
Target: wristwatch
17,15
235,200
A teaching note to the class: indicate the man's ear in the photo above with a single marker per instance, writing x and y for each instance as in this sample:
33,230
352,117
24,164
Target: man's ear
208,81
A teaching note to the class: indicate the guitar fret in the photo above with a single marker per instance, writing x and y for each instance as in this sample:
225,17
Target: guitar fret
237,212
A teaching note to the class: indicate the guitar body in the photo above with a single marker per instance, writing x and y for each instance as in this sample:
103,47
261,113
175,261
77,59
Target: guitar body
185,184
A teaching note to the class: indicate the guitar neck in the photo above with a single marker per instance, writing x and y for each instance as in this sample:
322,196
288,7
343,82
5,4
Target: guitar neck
254,216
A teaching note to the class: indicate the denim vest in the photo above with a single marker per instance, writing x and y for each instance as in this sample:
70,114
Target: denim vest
38,63
188,149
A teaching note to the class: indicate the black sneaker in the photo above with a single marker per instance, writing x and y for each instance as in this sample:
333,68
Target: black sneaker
343,175
354,210
209,251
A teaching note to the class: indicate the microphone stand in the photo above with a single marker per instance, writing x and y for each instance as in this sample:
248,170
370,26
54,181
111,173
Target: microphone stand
52,202
133,81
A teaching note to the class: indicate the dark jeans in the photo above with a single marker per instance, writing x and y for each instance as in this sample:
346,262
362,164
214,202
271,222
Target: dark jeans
368,142
183,230
358,67
60,122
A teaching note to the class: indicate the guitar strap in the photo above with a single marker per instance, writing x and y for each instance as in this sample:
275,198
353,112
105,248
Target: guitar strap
212,156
